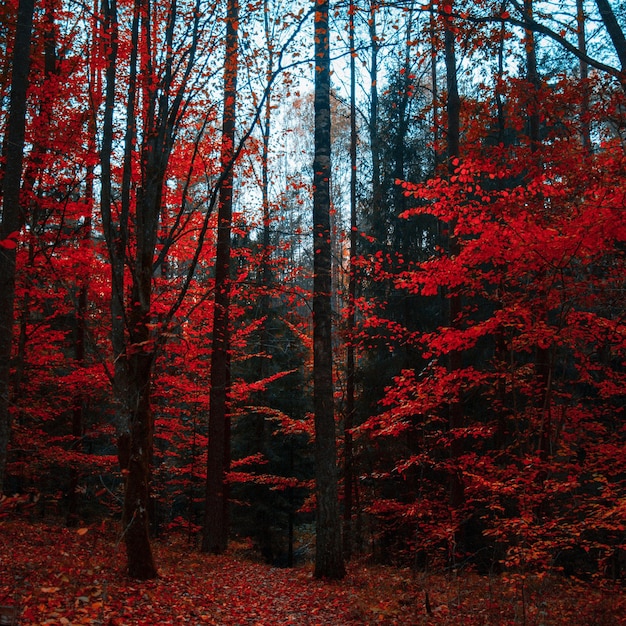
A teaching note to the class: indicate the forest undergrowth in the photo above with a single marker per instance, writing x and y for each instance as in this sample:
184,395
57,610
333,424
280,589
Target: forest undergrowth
56,575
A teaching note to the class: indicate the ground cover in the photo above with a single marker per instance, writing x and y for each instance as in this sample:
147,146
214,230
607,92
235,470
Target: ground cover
56,575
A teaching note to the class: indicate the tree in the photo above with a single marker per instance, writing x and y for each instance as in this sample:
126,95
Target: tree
520,331
158,98
328,552
348,471
557,34
453,245
616,34
13,211
215,536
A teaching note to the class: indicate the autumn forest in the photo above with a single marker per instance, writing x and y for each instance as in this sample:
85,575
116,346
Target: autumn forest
307,291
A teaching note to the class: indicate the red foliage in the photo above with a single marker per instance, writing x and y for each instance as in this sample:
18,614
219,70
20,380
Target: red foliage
539,269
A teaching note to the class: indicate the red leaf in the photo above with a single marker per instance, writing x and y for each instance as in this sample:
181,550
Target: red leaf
10,242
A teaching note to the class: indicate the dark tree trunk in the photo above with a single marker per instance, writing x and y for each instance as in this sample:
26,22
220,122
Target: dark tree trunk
131,376
32,173
377,191
455,360
399,149
134,344
434,81
328,556
584,76
542,354
12,211
215,535
532,76
80,399
137,445
616,34
348,469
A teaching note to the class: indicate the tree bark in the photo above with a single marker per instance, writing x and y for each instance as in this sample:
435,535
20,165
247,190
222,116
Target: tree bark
615,33
377,191
328,556
134,344
348,469
132,360
433,79
584,76
12,211
81,397
215,535
532,76
455,361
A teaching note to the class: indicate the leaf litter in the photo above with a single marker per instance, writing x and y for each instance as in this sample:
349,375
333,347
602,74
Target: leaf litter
61,576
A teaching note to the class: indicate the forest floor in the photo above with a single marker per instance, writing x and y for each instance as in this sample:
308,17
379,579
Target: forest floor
56,575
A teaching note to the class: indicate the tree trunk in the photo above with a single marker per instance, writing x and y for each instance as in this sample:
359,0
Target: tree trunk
12,212
584,76
348,471
455,409
543,365
137,445
532,76
215,535
133,342
328,556
133,354
377,191
615,33
434,81
81,397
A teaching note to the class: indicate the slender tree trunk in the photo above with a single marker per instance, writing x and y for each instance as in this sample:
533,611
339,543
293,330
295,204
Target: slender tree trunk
499,83
215,535
12,211
266,270
400,200
456,487
501,347
81,397
434,85
616,34
348,469
584,77
373,121
265,275
455,409
133,353
115,235
328,556
41,144
532,76
542,354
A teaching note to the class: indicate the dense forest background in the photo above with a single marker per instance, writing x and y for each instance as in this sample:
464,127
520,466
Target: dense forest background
157,271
